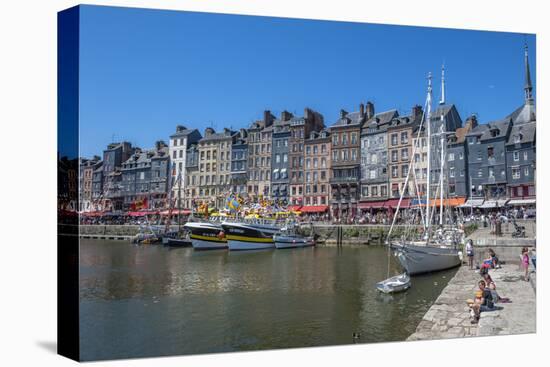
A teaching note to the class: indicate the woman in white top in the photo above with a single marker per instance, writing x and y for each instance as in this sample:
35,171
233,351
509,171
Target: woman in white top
470,253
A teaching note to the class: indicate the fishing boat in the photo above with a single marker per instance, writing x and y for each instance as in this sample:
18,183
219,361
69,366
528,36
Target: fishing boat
289,237
398,283
206,235
428,249
250,235
177,239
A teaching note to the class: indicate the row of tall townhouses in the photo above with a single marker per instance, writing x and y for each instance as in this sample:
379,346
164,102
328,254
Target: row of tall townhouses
146,178
280,158
360,163
300,128
259,157
346,162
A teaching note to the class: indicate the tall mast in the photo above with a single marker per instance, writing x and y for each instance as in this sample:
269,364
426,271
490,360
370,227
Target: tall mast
429,137
442,140
179,201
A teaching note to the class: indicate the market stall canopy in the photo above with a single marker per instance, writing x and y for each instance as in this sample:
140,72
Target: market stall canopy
314,209
459,201
493,203
473,203
294,208
522,202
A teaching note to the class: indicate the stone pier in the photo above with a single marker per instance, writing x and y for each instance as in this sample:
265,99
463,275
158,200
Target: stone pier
449,317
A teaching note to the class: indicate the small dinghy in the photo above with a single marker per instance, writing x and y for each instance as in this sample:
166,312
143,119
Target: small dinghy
395,284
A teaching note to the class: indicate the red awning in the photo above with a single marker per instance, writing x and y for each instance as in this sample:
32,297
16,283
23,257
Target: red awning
293,208
176,212
92,214
142,213
372,204
405,203
314,209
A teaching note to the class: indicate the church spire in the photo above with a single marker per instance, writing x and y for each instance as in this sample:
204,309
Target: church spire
528,87
442,101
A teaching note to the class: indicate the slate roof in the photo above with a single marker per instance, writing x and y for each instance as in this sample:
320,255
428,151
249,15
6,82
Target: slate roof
525,131
351,119
219,136
492,130
146,156
183,133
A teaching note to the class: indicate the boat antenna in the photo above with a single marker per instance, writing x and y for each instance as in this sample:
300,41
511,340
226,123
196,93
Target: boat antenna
429,138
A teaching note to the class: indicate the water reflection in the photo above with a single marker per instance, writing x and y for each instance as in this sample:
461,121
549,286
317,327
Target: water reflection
150,300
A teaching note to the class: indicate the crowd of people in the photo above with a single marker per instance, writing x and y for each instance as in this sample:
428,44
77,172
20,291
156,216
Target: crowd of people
486,296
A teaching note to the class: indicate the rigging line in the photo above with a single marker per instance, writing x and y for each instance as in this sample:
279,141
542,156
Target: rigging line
407,178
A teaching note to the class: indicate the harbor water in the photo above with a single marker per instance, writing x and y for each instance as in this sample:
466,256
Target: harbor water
150,300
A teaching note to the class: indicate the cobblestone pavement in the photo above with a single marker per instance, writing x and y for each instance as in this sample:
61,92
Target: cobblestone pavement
449,317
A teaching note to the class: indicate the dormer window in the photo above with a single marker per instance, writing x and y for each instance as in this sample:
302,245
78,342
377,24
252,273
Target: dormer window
495,132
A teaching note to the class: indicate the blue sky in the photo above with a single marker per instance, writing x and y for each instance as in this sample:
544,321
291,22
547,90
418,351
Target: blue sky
142,72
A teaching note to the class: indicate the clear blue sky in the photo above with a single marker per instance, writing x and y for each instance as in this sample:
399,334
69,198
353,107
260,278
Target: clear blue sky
142,72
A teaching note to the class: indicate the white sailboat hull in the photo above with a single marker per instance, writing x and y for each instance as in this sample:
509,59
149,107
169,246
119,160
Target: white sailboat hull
418,259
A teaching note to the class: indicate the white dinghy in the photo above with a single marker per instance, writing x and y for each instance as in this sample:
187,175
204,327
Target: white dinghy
398,283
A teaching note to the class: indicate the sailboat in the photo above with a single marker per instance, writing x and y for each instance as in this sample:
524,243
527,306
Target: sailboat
177,238
432,249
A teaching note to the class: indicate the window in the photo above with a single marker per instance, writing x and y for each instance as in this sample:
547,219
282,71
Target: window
460,155
365,191
394,172
308,149
417,157
277,158
323,175
479,173
315,149
373,158
404,171
451,157
335,140
515,173
323,148
424,143
393,139
175,154
404,137
490,152
374,191
334,155
479,155
424,157
354,154
394,155
525,156
404,154
452,172
372,174
516,156
383,190
353,138
315,162
526,171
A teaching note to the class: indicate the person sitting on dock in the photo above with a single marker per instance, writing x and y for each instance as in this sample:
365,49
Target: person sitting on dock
483,301
496,297
494,259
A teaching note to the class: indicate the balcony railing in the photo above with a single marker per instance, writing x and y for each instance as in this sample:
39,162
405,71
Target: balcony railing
345,180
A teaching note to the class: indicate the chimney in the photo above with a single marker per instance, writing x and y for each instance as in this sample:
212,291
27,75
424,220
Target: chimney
370,110
285,115
361,110
343,113
471,122
180,128
243,133
209,131
416,112
268,118
160,144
